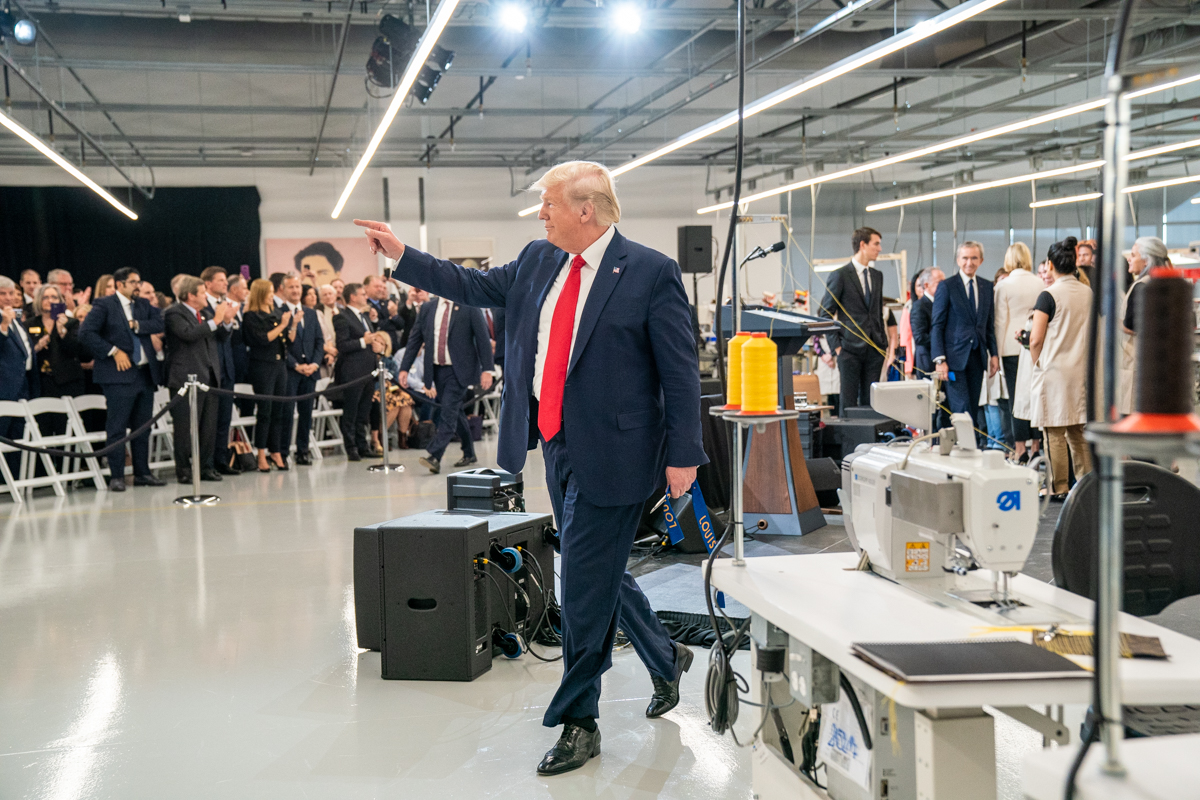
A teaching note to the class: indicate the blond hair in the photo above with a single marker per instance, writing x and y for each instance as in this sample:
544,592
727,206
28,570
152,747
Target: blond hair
584,182
1017,256
261,291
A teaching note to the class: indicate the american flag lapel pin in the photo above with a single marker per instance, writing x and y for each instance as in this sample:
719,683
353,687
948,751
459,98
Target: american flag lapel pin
616,270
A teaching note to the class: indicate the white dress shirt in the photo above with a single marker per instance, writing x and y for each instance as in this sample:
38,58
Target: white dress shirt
444,309
968,285
127,307
592,256
861,270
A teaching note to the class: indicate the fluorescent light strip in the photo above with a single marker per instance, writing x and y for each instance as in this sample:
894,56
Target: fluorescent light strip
1162,87
950,144
978,187
916,33
1195,201
441,18
50,153
1158,151
1078,198
1142,187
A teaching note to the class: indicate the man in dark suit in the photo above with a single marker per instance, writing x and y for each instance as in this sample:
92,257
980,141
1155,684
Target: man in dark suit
458,352
408,308
498,321
962,333
854,297
358,348
194,348
117,333
922,319
385,320
305,354
216,287
18,377
602,369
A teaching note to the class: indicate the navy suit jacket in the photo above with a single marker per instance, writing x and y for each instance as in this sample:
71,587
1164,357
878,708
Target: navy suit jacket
921,319
224,349
631,403
309,346
957,329
12,366
105,327
467,343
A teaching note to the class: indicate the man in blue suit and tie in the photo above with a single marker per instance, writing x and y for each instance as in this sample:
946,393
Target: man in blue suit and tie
458,352
962,334
602,369
216,286
117,332
304,357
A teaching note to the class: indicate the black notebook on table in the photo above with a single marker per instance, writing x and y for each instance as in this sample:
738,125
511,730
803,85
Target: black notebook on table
971,660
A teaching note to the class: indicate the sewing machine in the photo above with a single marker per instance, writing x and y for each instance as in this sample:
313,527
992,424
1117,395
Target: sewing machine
933,517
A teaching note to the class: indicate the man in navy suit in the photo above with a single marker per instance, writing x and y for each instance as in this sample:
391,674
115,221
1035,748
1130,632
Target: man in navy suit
18,376
305,354
922,319
962,333
458,352
117,332
216,287
602,369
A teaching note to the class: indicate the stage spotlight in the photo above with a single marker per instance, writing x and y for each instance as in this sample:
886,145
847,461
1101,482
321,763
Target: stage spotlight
626,18
427,81
24,31
440,58
512,17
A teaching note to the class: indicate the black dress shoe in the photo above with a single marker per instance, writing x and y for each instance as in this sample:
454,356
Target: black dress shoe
666,693
303,459
183,476
147,480
571,751
116,485
352,455
466,461
434,465
225,469
210,475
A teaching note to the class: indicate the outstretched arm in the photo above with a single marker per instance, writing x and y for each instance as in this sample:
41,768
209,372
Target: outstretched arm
443,278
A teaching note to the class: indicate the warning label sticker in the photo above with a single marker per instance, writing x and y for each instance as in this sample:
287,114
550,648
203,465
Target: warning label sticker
916,557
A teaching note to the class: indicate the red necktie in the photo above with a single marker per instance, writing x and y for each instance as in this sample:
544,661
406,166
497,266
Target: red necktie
443,334
558,354
199,318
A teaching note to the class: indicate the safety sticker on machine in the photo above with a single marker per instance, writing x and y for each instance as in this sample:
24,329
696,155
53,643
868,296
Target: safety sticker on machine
916,556
841,744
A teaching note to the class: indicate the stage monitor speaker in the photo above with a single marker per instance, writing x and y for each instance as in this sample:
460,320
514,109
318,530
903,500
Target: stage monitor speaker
485,489
422,602
695,248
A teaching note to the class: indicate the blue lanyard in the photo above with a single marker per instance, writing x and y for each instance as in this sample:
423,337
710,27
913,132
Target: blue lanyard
700,508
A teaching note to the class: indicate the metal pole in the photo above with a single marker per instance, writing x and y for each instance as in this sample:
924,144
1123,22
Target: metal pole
195,499
384,467
735,500
735,301
1111,534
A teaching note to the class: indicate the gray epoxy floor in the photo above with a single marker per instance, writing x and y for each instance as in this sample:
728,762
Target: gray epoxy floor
153,651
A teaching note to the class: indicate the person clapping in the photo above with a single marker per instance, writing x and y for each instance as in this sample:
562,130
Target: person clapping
268,332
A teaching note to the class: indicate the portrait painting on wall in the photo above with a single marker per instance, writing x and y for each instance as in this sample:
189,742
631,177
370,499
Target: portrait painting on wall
320,261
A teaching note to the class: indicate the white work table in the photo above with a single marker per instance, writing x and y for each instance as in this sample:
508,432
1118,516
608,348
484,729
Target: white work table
824,603
1160,768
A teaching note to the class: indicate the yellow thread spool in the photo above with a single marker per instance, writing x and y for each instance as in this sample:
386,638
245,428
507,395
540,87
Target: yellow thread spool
733,375
760,375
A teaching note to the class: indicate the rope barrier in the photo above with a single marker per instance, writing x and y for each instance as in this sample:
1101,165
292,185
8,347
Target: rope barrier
277,398
108,448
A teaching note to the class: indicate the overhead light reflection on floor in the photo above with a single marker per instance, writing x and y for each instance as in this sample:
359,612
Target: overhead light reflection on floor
75,774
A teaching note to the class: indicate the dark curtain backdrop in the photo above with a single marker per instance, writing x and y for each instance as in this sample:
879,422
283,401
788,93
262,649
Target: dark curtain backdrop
180,230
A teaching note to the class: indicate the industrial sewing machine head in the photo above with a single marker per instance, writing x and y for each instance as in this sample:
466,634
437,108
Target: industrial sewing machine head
931,516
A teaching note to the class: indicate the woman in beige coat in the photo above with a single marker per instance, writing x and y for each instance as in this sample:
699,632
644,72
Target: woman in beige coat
1015,296
1058,345
1147,252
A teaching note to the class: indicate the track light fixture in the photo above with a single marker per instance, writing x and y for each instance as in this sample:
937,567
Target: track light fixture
21,31
513,18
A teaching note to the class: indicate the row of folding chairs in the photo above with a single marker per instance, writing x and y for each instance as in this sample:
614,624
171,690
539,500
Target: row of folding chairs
76,439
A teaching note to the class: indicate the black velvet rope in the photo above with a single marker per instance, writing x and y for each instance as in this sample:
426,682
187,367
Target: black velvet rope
108,448
333,389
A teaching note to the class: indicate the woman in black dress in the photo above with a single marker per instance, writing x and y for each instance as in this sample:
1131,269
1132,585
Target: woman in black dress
57,352
267,330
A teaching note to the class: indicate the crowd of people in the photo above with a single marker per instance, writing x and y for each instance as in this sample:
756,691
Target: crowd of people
123,338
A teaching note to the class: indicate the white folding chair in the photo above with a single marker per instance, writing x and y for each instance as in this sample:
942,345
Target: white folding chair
75,439
243,422
12,409
162,435
76,406
27,478
326,430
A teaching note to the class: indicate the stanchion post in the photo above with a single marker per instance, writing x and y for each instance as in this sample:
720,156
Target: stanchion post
384,467
195,499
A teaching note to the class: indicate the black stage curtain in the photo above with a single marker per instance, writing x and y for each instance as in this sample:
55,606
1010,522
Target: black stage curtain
182,230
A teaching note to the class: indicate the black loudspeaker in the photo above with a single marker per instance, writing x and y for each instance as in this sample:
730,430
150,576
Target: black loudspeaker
439,593
826,477
695,248
840,436
654,522
485,489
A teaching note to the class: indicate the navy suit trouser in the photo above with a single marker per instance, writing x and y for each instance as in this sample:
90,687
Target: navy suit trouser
962,393
598,594
130,406
298,384
450,394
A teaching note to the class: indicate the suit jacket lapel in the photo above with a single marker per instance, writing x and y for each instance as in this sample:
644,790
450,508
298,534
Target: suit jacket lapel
558,262
612,267
852,278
